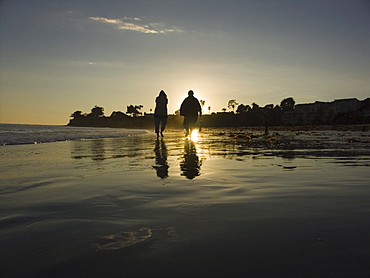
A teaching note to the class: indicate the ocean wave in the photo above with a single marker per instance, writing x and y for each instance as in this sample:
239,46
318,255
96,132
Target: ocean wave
11,134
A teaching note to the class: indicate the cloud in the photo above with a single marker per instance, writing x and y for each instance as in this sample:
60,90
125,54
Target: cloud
136,24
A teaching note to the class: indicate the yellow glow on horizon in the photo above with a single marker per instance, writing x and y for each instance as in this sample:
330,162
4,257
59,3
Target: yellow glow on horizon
175,100
204,88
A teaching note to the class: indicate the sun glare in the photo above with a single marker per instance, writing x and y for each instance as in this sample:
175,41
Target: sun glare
194,135
201,87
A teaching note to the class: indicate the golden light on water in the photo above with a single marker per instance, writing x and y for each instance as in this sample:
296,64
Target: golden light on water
194,135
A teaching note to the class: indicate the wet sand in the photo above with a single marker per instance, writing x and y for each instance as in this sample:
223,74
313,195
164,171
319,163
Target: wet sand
230,203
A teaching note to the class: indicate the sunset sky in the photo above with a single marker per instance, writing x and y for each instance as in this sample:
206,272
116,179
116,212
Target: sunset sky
61,56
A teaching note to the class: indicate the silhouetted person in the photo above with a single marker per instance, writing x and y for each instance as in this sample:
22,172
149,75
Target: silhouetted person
190,109
190,165
160,113
160,151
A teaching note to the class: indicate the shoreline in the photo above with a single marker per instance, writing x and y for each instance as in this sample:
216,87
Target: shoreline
227,130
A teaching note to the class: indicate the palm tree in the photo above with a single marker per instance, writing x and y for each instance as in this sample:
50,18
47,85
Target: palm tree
231,104
134,110
202,102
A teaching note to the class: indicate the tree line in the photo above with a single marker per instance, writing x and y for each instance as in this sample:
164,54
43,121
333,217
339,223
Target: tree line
239,115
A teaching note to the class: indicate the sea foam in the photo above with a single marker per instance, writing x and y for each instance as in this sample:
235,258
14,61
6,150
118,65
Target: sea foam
13,134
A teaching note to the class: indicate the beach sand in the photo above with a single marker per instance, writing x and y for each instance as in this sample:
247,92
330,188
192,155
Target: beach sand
229,203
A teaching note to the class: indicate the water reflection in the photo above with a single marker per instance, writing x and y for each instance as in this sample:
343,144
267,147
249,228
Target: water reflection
94,149
190,163
144,153
161,166
98,150
194,135
132,148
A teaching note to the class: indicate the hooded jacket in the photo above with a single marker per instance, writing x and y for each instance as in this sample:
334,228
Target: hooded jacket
161,105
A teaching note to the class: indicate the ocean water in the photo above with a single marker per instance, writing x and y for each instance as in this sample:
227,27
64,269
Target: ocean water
14,134
217,205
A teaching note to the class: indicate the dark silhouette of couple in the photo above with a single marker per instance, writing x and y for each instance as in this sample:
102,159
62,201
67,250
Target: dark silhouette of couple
190,109
190,162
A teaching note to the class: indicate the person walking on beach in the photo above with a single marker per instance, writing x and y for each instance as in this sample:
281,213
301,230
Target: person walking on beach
160,113
190,109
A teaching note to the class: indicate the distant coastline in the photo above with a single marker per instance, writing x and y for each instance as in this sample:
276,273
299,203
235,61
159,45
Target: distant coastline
338,112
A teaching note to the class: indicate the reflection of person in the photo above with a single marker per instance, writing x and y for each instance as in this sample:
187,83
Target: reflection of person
160,112
190,109
160,151
190,165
